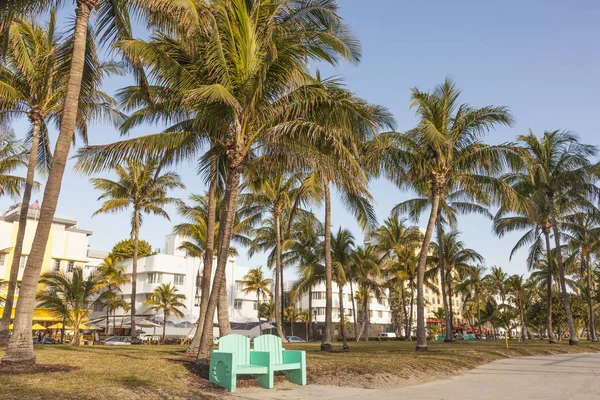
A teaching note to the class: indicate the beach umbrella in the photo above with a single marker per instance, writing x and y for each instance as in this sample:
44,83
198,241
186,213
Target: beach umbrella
59,325
38,327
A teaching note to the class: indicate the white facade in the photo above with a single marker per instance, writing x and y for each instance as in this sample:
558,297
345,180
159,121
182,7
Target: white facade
181,271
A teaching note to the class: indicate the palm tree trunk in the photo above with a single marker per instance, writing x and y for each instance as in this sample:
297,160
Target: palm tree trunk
62,331
551,338
134,261
442,267
410,316
364,323
573,335
523,326
107,318
367,319
76,336
405,311
353,309
310,312
208,257
278,304
592,329
226,220
14,268
328,336
19,353
450,305
478,314
281,292
421,332
258,312
223,311
342,317
115,322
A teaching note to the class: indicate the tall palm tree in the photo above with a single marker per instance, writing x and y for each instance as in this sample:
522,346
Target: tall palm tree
166,299
342,247
456,256
255,282
558,167
474,285
12,157
367,272
201,215
68,297
442,154
584,240
34,87
110,279
241,72
519,290
77,67
144,188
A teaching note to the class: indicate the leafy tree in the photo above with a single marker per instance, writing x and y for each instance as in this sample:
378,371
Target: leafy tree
166,299
124,249
442,154
144,188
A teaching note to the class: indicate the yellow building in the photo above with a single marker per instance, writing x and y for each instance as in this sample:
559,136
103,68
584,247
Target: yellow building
67,247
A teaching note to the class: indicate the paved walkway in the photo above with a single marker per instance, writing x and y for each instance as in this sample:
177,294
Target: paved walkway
567,376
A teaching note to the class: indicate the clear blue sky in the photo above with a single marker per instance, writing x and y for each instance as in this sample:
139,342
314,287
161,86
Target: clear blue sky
540,58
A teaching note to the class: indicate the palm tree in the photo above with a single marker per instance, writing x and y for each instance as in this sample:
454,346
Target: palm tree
584,240
34,87
12,157
20,350
69,298
291,315
519,290
267,310
166,299
201,216
304,316
474,285
456,257
342,247
113,302
110,279
255,282
255,98
144,187
442,154
558,168
366,273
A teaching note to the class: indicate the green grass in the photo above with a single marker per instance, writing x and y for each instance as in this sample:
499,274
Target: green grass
148,372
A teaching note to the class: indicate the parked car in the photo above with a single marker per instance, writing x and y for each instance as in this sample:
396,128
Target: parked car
386,335
121,341
295,339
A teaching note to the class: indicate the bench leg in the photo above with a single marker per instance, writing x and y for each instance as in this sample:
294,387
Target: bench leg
298,376
266,380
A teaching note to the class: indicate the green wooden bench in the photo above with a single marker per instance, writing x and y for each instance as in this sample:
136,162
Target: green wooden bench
291,362
234,358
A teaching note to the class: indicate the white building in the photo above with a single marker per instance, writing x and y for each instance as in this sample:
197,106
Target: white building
175,267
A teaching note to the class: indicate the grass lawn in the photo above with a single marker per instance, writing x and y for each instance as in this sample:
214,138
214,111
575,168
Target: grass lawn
148,372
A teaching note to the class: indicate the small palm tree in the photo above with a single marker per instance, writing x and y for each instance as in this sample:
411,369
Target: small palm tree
520,292
443,153
291,315
342,246
144,187
474,285
367,272
304,316
167,300
68,297
267,310
110,279
255,282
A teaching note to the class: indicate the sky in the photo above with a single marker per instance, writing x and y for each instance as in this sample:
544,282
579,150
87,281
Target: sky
539,58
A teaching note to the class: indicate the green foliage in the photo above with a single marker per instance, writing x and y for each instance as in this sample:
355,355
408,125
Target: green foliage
124,249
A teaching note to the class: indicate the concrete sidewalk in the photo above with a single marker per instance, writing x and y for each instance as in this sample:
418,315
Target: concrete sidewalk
566,376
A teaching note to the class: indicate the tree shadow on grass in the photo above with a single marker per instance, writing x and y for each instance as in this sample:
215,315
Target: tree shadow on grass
36,369
134,382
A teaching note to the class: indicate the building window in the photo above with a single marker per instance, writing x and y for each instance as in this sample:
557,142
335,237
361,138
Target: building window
237,304
2,259
379,314
255,305
178,279
350,298
70,266
239,286
319,295
56,265
320,311
22,262
154,278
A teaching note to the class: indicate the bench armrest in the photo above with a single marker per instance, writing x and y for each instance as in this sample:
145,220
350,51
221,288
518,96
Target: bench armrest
294,356
262,358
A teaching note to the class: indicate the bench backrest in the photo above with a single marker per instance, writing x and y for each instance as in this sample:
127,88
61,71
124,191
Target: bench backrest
238,345
271,344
